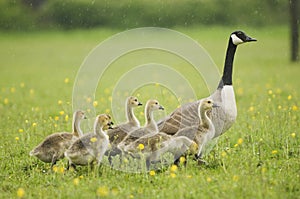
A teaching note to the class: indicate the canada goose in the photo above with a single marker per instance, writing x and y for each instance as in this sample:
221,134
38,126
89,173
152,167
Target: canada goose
91,146
222,117
150,126
117,134
54,145
205,130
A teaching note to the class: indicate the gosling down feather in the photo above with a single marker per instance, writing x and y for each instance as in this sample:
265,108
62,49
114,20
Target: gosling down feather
53,147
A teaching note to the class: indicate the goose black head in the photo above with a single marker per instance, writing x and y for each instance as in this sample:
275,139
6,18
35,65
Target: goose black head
239,37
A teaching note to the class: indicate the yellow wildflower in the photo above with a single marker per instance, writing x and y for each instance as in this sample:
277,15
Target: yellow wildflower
208,179
95,103
152,173
141,146
172,175
59,102
263,169
156,84
235,178
61,112
182,160
31,91
61,169
274,152
56,118
102,191
279,107
21,130
173,168
240,141
270,92
66,80
93,139
293,135
76,181
131,196
294,108
12,89
251,108
34,124
107,111
17,138
67,118
189,176
236,145
55,169
20,193
223,154
110,98
289,97
5,101
22,85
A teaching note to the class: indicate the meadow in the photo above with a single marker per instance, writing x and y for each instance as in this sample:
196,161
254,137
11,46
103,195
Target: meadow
259,157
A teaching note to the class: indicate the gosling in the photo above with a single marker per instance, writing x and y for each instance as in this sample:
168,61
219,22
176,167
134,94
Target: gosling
90,148
53,147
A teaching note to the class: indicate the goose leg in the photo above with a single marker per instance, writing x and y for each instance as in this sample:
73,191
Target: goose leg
54,159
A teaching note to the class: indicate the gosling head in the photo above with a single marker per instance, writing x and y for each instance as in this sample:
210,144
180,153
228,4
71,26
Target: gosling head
154,105
80,115
239,37
208,104
105,121
133,101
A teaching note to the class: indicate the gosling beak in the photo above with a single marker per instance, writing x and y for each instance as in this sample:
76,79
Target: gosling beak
215,105
110,125
249,39
140,104
161,108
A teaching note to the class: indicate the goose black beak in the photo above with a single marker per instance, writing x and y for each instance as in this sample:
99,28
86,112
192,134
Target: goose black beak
161,108
249,39
140,104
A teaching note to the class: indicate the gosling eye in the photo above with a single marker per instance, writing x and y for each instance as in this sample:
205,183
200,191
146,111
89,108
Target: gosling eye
135,100
156,103
209,102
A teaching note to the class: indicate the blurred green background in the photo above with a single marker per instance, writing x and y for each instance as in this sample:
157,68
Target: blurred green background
74,14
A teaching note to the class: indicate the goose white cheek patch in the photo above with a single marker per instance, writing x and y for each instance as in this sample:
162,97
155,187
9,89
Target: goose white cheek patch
236,40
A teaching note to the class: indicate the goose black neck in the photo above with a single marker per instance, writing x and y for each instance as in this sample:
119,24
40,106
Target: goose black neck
227,73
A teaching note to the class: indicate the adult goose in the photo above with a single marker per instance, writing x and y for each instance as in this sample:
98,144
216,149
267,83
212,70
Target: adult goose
222,117
52,148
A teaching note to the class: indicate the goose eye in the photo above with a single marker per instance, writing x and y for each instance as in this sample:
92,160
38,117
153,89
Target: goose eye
156,103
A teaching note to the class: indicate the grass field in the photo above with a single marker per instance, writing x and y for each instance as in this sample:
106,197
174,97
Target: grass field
259,157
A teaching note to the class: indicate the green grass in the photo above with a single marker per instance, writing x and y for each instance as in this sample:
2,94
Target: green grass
265,164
